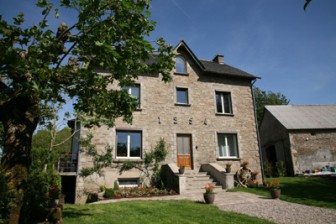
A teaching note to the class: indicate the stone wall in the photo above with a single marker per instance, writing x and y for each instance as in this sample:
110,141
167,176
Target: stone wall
313,149
160,117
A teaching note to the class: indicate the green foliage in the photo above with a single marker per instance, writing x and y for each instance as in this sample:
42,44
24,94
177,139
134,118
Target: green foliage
268,169
263,98
37,197
281,169
150,166
109,193
159,212
115,185
100,160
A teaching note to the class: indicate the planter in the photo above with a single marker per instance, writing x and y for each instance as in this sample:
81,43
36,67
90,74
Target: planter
228,169
275,193
209,198
181,170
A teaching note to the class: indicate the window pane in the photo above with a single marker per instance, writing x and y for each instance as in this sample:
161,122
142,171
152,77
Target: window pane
180,65
186,145
121,144
232,145
219,103
179,145
221,145
135,91
227,145
135,144
182,95
227,103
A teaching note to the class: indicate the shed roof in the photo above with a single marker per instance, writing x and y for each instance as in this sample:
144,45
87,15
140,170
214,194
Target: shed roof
294,117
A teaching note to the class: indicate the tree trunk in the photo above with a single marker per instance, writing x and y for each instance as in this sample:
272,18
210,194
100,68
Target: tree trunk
19,117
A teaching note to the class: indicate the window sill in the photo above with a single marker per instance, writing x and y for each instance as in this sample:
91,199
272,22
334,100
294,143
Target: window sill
228,159
182,74
183,104
121,160
227,115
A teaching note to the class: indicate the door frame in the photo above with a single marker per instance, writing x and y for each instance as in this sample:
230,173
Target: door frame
190,149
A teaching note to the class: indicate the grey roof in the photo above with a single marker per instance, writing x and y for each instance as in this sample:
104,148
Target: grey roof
225,69
305,117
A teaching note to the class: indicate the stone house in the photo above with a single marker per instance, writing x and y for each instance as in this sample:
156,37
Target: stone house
304,137
205,115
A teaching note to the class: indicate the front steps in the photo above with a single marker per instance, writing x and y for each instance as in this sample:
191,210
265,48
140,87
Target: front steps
196,182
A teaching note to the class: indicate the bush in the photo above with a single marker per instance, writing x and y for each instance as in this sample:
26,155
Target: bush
281,170
109,193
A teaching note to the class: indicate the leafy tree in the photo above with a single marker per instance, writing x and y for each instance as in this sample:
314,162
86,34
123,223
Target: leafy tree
263,98
33,71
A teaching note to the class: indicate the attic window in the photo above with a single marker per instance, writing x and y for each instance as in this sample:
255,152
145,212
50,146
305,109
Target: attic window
180,65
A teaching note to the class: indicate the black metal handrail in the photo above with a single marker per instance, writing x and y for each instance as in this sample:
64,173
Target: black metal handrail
67,163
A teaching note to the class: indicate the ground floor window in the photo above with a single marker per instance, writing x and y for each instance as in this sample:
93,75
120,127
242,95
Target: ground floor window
227,145
129,144
128,182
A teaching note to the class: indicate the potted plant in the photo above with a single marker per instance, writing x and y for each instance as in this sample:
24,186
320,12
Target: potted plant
228,167
54,195
181,169
274,188
209,195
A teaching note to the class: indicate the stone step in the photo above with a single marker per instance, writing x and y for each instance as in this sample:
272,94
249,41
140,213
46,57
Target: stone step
198,178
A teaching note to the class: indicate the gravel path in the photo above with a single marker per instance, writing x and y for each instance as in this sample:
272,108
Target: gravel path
274,210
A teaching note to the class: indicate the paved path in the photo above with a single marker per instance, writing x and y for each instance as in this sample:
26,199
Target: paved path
254,205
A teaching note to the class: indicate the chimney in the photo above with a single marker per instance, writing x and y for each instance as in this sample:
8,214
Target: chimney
219,59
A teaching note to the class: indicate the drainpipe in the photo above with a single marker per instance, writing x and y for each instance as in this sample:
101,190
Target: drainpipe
257,129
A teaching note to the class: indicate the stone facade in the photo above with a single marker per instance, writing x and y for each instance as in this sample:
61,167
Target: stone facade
160,117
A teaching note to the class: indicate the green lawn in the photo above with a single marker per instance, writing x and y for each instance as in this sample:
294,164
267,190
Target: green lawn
152,212
316,191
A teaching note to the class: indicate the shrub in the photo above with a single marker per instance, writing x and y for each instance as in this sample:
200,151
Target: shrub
109,193
281,170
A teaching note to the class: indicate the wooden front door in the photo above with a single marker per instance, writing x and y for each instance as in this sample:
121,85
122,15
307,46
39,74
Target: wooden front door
184,151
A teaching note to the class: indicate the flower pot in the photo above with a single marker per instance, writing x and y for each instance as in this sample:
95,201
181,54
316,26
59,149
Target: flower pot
181,170
209,198
228,169
275,193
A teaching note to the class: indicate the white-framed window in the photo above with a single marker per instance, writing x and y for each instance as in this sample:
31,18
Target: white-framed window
223,103
129,144
134,91
227,145
182,95
180,65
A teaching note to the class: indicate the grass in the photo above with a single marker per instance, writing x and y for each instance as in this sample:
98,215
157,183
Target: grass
152,212
316,191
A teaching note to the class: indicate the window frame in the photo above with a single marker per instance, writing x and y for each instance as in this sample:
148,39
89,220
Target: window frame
129,157
184,63
128,89
187,95
223,102
236,143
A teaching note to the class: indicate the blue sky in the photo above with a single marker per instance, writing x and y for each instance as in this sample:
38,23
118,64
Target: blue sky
294,52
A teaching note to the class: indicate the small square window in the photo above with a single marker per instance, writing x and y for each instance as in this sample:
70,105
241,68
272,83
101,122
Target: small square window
129,144
182,96
227,145
223,103
134,91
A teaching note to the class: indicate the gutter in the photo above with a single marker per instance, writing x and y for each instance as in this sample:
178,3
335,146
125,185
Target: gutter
257,130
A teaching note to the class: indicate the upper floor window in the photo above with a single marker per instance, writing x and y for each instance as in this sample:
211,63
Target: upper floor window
180,65
223,103
182,96
227,145
129,144
134,91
